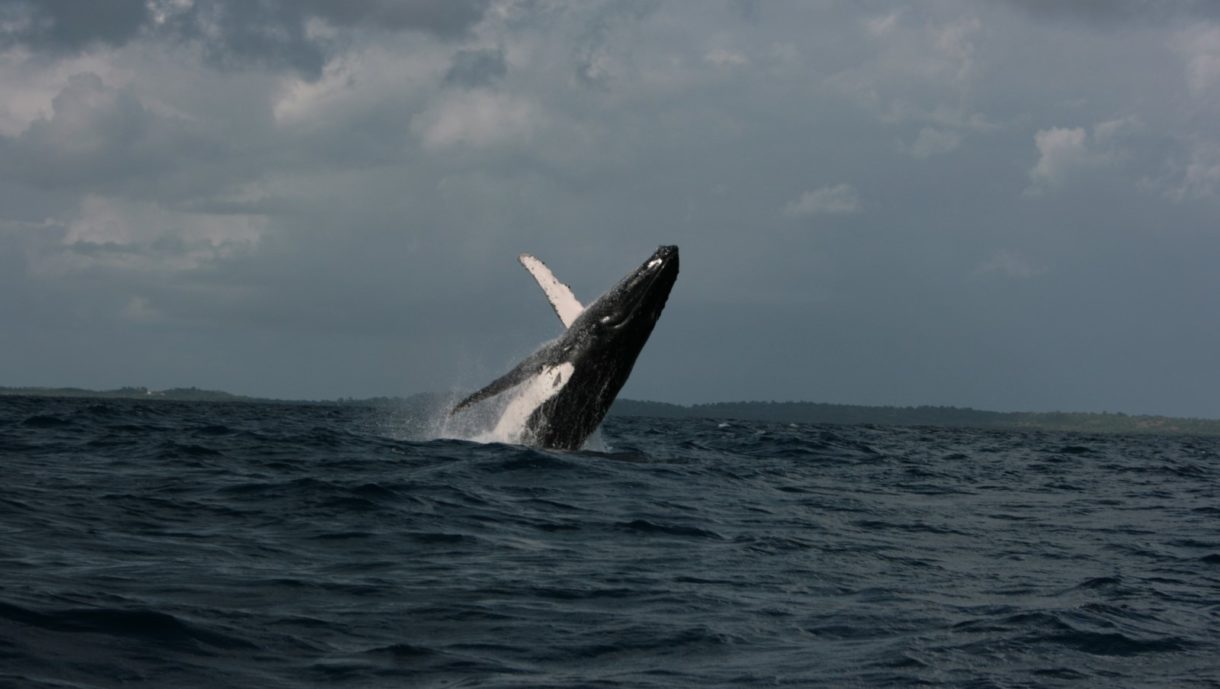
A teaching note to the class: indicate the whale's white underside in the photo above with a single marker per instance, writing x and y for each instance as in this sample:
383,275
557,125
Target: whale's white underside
528,396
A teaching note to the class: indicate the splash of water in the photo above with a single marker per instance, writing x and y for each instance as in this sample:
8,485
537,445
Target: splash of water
501,419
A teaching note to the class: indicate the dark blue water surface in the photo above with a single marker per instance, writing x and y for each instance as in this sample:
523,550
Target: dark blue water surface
167,544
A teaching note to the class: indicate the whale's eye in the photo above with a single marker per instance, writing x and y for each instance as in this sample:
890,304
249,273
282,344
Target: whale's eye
616,320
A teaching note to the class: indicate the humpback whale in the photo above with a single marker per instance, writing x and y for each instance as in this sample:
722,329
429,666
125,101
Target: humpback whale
561,392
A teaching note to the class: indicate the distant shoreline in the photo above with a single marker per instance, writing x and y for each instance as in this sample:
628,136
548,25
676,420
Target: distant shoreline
943,417
773,412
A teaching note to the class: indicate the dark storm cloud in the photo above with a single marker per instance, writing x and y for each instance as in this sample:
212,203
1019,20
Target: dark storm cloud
233,33
70,25
276,33
476,68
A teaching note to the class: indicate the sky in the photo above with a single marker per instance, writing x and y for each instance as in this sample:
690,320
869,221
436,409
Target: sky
1009,205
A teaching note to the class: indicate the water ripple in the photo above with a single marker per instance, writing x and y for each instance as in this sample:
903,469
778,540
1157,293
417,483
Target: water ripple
199,545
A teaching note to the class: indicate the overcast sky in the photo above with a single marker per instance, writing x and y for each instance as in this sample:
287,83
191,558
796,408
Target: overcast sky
1010,205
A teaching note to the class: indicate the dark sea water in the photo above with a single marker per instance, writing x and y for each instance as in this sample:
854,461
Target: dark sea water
166,544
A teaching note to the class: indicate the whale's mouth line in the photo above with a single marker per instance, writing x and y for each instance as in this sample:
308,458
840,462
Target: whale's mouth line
644,282
609,322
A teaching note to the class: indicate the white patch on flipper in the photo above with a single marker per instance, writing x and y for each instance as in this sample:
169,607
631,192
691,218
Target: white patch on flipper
566,306
529,396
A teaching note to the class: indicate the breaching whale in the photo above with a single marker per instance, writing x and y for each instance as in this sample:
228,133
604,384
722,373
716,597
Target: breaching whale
561,392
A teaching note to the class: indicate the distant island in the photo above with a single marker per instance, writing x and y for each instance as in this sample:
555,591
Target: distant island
141,393
772,412
952,417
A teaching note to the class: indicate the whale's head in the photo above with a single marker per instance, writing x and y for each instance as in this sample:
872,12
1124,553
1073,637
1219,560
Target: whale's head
623,318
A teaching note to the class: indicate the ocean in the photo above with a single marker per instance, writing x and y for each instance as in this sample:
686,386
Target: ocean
172,544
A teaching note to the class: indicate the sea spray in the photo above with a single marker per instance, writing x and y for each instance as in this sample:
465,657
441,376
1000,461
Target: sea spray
501,419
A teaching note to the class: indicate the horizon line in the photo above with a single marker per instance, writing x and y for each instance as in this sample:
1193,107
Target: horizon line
150,393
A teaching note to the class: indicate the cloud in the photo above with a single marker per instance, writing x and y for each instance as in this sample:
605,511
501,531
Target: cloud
446,18
139,309
1009,264
882,25
1061,152
939,52
68,26
476,120
1197,178
1109,133
931,141
747,10
1200,47
99,137
135,261
1065,153
840,199
722,57
1202,176
356,86
293,34
1107,12
923,70
142,236
472,68
598,57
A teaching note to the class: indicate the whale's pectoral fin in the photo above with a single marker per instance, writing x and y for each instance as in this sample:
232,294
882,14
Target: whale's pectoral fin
509,380
566,306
